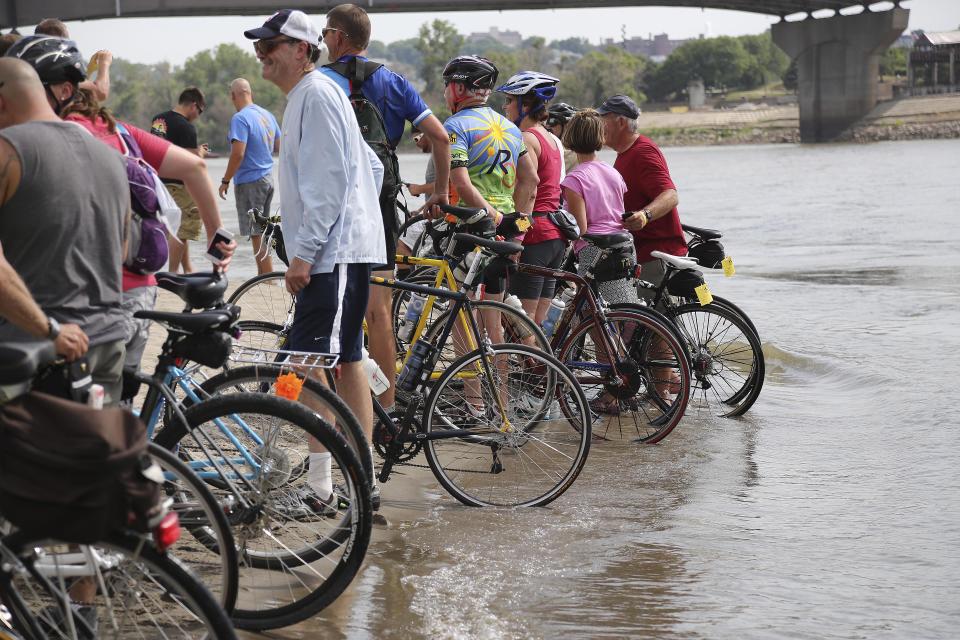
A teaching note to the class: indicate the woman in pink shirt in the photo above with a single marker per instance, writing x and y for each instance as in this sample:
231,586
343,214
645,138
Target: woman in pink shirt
594,192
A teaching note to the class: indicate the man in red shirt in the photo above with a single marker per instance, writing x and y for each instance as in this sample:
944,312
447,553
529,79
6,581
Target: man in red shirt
651,196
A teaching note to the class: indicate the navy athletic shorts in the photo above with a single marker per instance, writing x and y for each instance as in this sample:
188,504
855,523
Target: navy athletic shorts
329,312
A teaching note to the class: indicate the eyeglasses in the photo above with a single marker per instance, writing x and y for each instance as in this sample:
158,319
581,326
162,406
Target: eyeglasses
326,30
265,47
200,108
417,136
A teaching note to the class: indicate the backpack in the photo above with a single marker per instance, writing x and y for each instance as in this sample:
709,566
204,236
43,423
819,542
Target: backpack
372,128
74,473
147,250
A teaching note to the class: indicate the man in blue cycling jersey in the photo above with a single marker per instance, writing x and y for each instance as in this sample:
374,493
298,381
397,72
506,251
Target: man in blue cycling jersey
347,35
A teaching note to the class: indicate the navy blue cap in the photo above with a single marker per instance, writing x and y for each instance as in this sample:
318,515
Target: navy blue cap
621,105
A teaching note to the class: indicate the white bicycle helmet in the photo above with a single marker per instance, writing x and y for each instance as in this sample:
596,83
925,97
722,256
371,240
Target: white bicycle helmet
531,82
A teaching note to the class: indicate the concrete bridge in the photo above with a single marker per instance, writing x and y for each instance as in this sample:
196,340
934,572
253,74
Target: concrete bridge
838,57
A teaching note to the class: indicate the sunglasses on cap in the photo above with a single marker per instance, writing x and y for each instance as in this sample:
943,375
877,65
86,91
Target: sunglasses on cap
264,47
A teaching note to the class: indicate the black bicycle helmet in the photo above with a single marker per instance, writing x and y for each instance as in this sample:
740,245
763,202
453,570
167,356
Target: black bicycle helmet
55,59
560,113
473,71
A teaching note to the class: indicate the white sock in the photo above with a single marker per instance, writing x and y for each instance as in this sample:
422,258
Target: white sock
373,458
319,476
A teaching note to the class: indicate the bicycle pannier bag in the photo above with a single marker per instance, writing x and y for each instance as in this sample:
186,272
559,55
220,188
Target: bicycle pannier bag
74,473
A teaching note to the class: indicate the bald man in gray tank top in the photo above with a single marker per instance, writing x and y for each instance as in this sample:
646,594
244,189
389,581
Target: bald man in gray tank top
64,205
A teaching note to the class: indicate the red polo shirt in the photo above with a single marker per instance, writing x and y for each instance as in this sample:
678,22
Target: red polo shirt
645,171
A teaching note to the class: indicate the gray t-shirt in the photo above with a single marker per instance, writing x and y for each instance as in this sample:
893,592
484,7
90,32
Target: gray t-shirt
430,175
62,230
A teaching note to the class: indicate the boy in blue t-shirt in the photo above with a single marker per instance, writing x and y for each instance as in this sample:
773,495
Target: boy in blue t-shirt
254,138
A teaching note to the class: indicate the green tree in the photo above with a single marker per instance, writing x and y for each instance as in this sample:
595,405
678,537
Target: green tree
212,71
377,49
768,57
893,62
437,44
601,74
573,45
405,51
721,63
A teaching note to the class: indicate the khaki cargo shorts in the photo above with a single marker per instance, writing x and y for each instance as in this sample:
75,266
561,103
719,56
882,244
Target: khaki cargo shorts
190,215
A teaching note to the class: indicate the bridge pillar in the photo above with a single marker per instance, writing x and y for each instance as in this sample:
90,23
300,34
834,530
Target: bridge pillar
838,63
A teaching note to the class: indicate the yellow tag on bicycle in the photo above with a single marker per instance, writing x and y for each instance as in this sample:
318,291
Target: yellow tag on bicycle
704,295
728,269
523,224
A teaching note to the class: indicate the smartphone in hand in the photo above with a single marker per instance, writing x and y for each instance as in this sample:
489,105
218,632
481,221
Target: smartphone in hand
214,254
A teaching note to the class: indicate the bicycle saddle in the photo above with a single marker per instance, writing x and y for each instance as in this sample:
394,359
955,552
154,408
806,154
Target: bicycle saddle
192,323
607,241
463,213
19,361
198,290
497,246
706,234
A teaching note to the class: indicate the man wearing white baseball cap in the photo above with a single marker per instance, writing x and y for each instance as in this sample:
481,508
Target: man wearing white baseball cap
330,210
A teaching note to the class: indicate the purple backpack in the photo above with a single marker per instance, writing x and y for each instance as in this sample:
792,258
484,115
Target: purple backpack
147,250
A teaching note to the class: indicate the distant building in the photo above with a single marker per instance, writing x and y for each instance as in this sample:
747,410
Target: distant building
506,38
932,62
656,47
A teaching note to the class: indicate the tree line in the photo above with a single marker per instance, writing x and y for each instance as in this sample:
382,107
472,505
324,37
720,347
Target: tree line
587,73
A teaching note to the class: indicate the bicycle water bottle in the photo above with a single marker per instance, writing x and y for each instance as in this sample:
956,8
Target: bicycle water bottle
520,330
378,380
557,305
417,367
412,316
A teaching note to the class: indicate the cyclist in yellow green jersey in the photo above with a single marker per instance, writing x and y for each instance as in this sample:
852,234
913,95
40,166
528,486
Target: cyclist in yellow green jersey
489,165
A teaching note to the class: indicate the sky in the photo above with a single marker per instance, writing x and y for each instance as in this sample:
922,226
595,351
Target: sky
176,39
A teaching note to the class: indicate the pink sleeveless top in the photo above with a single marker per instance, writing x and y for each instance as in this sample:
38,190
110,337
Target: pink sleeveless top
548,191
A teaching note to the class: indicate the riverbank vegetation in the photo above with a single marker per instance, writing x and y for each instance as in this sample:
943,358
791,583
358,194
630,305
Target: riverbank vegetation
741,68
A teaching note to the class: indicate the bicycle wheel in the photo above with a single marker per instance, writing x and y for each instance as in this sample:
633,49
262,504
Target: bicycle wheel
518,328
398,305
295,556
212,554
526,457
139,592
264,298
646,396
726,356
263,378
724,302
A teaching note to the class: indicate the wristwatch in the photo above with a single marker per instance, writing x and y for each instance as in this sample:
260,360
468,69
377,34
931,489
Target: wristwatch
53,328
649,216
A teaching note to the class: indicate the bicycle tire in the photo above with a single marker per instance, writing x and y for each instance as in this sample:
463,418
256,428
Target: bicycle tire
264,298
131,557
655,367
519,321
726,356
264,376
202,515
527,441
729,304
275,510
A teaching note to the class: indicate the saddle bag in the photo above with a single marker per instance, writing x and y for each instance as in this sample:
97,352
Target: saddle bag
73,473
617,265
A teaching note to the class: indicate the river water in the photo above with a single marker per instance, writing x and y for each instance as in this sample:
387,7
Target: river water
831,510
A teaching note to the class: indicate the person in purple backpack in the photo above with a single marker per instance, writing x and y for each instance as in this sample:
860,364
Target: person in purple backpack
60,75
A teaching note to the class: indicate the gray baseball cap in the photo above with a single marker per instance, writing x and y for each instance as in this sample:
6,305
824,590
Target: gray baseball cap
621,105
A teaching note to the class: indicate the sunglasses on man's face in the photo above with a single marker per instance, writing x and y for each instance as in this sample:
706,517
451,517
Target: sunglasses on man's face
265,47
326,30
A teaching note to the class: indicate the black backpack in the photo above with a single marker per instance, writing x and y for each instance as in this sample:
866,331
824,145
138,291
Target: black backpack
372,128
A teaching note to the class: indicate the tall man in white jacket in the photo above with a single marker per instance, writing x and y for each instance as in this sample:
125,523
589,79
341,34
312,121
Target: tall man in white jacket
329,198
